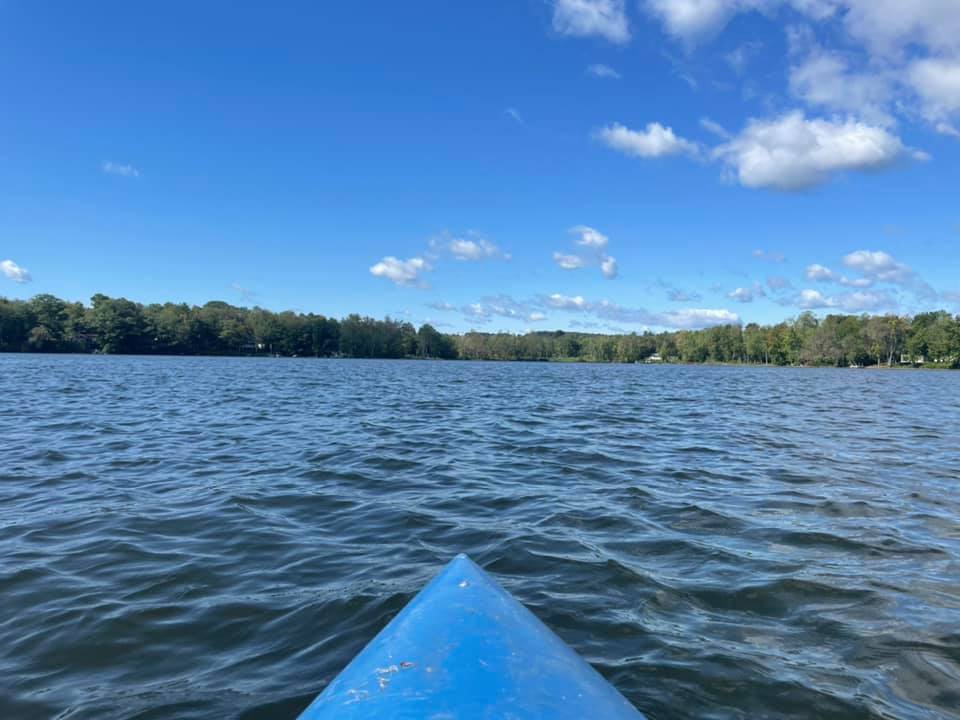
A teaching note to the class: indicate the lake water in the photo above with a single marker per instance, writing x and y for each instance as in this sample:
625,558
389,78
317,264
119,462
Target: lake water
215,538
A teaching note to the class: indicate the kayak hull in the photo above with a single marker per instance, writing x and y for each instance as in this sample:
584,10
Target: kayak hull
465,648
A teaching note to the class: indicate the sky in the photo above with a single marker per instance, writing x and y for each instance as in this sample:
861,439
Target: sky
595,165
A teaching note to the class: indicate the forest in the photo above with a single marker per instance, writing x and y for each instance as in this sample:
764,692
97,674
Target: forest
117,325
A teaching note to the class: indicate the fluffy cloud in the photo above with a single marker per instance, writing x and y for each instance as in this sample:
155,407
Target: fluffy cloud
820,273
860,301
692,19
878,266
898,56
15,272
937,82
478,249
112,168
884,26
584,18
609,267
595,242
566,302
506,307
874,267
609,311
654,141
826,80
589,237
599,70
742,294
697,318
593,313
477,313
747,294
794,153
402,272
888,26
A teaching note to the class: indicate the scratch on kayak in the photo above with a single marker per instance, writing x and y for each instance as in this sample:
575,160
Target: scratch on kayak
357,695
384,673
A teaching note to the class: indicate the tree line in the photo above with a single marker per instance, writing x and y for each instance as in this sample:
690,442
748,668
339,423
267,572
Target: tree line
117,325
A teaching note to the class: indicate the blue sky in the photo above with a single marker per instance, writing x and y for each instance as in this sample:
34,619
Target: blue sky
511,164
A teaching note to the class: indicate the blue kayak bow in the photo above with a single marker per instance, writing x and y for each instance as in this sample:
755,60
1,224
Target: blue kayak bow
464,648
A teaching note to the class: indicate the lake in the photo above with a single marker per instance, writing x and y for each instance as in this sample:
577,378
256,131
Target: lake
217,537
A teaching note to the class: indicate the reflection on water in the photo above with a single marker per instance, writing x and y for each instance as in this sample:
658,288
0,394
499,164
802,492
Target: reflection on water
209,538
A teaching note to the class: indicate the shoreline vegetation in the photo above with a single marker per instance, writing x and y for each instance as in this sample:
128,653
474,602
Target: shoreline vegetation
119,326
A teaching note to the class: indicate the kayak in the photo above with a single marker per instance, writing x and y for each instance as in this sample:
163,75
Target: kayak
464,648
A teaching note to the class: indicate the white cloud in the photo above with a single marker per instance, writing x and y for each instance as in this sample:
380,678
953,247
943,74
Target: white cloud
609,267
567,302
825,80
698,318
473,250
112,168
777,283
693,19
595,242
885,26
880,266
568,262
873,267
794,153
15,272
813,299
506,307
820,273
585,18
477,313
937,82
402,272
590,237
741,294
600,70
888,26
854,302
654,141
606,310
899,58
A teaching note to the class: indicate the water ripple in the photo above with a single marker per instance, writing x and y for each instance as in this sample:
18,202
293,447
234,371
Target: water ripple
209,538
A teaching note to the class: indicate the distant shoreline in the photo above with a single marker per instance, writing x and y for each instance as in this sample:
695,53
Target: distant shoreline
113,326
551,361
